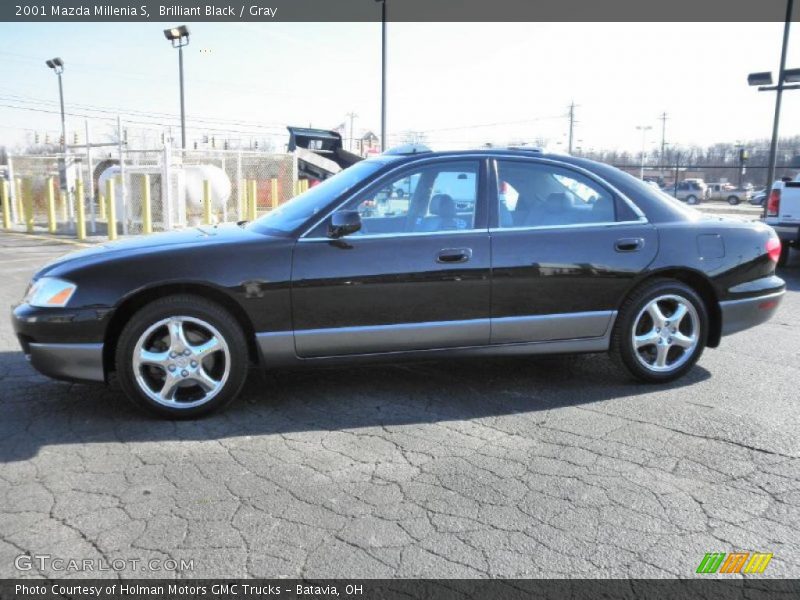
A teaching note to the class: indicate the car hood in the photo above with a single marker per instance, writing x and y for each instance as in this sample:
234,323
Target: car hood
154,244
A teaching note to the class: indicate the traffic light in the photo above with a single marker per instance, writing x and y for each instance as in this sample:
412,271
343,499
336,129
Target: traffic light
36,138
225,144
213,142
255,144
743,155
61,139
75,138
46,138
205,139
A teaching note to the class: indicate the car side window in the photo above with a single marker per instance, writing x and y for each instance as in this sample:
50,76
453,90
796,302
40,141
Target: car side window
437,197
541,195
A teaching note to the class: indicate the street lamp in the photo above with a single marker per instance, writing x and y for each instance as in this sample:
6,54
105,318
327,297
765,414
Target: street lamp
58,68
383,73
179,36
764,82
644,129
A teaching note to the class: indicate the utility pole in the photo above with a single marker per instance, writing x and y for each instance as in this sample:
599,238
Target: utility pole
644,129
571,125
663,119
352,116
773,146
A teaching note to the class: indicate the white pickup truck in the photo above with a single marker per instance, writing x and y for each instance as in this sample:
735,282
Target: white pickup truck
783,214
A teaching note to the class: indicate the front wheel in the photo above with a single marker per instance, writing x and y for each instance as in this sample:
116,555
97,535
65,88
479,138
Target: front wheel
661,331
182,356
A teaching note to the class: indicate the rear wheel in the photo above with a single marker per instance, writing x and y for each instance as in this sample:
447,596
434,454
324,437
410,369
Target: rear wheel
733,200
182,356
661,331
691,200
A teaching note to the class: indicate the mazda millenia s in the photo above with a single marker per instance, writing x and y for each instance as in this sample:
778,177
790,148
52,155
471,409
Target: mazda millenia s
409,254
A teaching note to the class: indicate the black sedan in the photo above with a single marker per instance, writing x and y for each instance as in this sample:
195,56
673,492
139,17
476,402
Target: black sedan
490,252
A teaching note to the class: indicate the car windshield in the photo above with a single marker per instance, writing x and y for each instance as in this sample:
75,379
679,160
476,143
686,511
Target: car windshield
289,216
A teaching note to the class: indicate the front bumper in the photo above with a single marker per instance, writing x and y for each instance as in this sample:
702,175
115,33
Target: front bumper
61,343
738,315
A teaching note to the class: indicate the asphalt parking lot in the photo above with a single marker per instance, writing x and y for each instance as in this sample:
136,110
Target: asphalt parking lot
545,467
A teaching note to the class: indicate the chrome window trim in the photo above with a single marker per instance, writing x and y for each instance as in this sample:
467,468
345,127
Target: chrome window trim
424,160
568,226
379,236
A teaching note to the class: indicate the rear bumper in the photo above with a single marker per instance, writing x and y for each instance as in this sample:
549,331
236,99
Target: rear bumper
738,315
787,233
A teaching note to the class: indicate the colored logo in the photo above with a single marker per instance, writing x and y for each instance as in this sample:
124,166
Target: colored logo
735,562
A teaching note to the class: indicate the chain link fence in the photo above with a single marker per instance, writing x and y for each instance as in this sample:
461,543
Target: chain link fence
141,191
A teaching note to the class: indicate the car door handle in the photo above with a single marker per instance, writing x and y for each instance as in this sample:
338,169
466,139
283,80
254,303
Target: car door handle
454,255
629,244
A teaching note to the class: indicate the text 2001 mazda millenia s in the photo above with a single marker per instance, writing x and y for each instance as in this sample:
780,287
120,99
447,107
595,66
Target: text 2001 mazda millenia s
410,254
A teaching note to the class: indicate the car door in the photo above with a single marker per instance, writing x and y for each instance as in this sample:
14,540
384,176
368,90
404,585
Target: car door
415,277
565,248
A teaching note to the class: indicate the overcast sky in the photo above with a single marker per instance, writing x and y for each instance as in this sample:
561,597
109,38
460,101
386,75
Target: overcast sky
514,80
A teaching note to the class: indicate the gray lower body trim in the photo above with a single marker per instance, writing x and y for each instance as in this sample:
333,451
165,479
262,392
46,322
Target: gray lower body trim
73,362
541,328
391,338
547,334
738,315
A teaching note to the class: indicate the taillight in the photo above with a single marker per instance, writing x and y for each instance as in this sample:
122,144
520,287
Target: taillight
774,203
774,248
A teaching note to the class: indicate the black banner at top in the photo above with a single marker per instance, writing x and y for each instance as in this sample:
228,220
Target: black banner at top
396,10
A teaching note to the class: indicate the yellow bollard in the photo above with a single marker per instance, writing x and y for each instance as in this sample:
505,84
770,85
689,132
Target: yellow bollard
51,206
6,204
112,209
18,196
101,205
27,204
147,213
253,200
80,210
273,193
206,202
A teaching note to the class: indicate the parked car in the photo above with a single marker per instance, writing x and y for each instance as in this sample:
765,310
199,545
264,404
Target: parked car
783,214
690,191
552,254
728,193
758,197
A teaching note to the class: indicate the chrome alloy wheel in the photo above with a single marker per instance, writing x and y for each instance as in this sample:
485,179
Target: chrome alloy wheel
666,333
181,362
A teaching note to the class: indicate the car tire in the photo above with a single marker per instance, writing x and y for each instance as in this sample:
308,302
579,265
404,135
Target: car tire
651,346
783,258
692,200
182,356
733,200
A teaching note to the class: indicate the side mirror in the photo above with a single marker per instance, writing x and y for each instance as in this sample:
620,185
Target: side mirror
344,222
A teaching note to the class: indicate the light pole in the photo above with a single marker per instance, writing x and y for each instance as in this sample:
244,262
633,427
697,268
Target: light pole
764,81
644,129
179,36
58,68
383,73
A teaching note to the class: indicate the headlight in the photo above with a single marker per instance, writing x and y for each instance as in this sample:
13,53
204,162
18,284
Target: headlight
50,292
